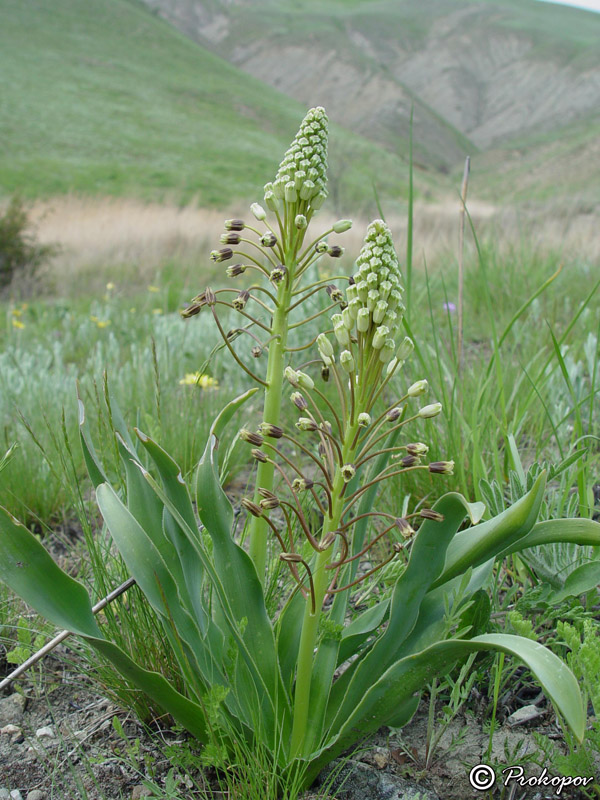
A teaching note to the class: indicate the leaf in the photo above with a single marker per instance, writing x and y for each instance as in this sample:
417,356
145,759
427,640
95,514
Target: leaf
577,531
426,562
92,462
582,580
27,568
409,675
489,539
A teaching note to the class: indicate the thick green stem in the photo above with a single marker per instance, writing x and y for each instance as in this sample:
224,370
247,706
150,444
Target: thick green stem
310,625
259,528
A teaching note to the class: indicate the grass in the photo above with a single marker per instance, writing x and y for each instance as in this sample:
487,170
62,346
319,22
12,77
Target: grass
106,99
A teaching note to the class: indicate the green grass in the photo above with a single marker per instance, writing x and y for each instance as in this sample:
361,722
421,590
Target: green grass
104,98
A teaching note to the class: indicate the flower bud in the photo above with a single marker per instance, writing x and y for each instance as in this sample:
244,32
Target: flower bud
306,424
335,251
307,190
267,429
351,292
418,388
231,238
299,401
325,373
432,410
348,472
292,376
405,349
325,348
363,320
336,295
342,225
234,224
224,254
239,302
417,449
291,195
442,467
372,299
235,269
305,381
394,364
302,484
300,222
409,461
429,513
269,500
405,528
354,307
321,247
256,351
258,211
259,456
341,334
393,414
268,239
251,507
362,290
278,274
290,558
364,420
380,337
387,351
347,361
318,200
279,187
379,312
271,201
252,438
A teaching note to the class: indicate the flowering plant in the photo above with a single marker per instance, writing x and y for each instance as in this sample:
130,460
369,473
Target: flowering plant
308,674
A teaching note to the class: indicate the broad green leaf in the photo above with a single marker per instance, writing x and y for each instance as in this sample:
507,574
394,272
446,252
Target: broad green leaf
359,630
487,540
583,579
92,462
426,562
576,531
408,676
27,568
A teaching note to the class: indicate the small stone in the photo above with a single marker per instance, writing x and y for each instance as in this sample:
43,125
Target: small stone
4,794
45,732
16,795
140,791
35,795
10,729
523,715
11,709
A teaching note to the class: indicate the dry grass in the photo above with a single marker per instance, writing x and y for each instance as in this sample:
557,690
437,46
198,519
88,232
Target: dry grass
128,242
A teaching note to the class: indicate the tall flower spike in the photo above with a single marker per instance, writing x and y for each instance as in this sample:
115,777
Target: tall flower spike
303,172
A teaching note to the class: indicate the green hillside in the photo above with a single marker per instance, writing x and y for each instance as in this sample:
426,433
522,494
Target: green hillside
102,97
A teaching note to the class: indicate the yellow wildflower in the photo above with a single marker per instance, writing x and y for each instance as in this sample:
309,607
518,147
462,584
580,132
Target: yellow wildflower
103,323
18,324
157,310
199,379
153,289
16,312
110,286
93,318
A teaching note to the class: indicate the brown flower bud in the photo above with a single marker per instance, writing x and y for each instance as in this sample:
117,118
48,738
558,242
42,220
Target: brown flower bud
230,238
252,438
234,224
256,351
302,484
278,274
239,302
442,467
224,254
405,528
335,251
299,401
393,414
268,239
429,513
325,372
251,507
259,455
274,431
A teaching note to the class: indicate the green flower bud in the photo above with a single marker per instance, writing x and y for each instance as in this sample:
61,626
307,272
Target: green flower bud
442,467
418,388
239,302
417,449
342,225
291,195
354,307
351,292
268,239
307,190
432,410
305,381
258,211
302,484
362,288
306,424
372,280
271,201
406,348
347,320
279,187
385,287
363,320
278,274
325,346
341,334
372,299
394,364
380,337
336,319
292,376
300,222
387,351
364,419
379,312
318,200
348,472
273,431
321,247
405,528
347,361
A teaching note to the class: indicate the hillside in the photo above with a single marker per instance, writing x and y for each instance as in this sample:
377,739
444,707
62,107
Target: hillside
480,74
104,98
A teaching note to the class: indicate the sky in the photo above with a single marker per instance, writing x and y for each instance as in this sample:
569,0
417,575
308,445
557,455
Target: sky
591,5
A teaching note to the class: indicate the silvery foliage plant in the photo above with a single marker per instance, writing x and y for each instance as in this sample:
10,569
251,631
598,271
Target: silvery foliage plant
310,675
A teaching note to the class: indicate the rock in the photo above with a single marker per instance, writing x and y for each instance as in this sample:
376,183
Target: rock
4,794
356,781
140,791
45,732
524,715
378,757
10,729
11,709
16,795
35,795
